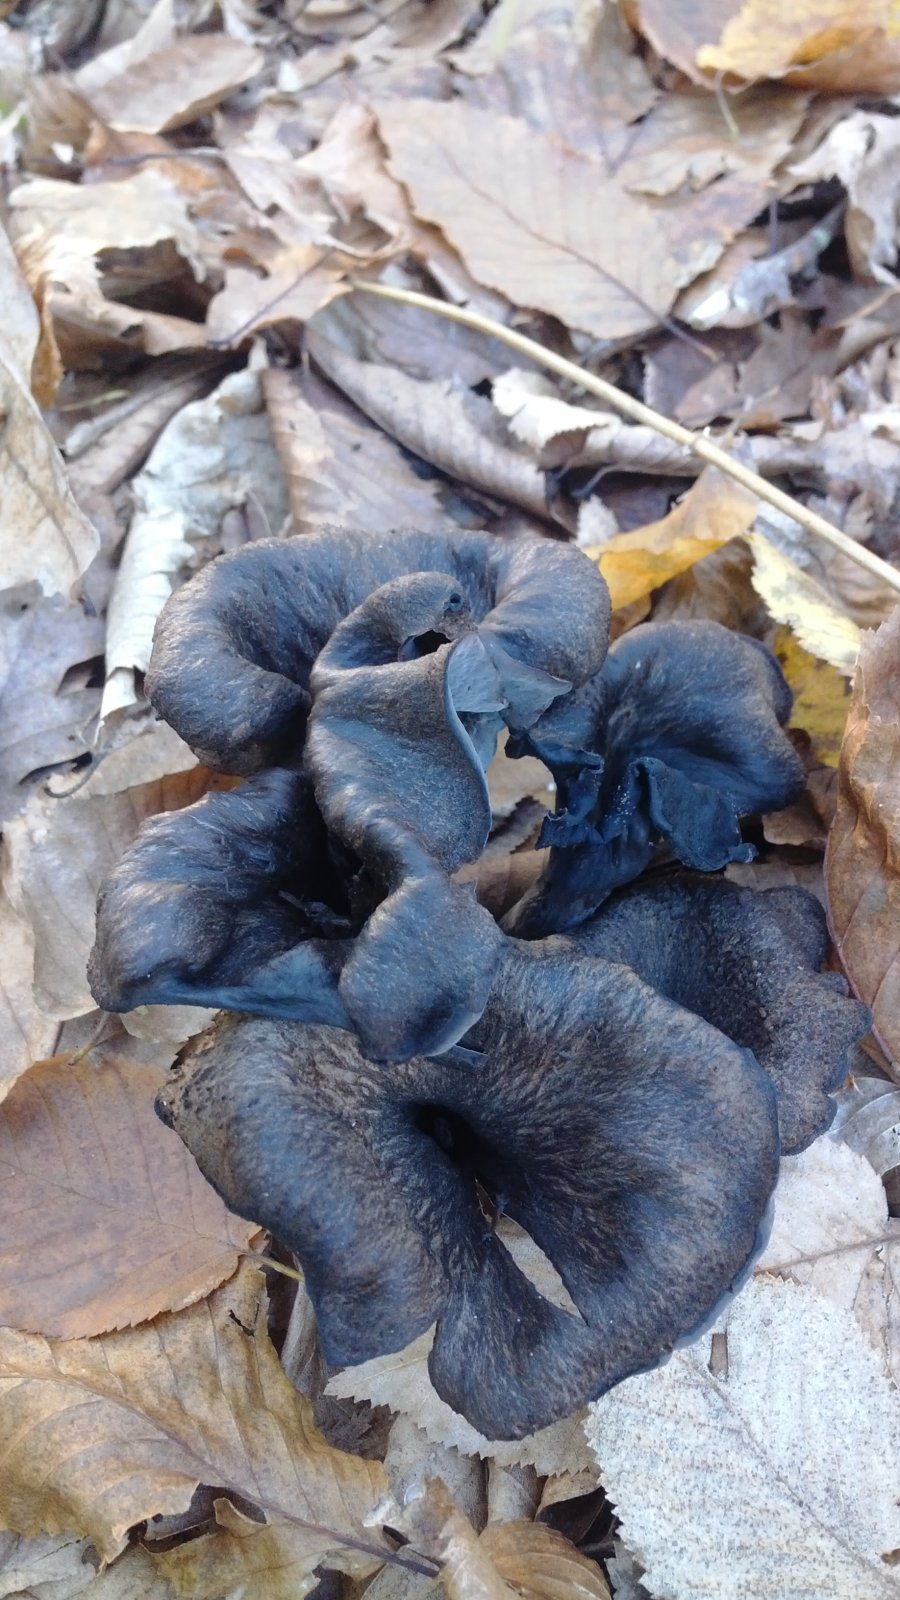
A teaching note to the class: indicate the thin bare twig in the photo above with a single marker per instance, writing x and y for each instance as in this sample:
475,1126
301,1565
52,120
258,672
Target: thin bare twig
697,443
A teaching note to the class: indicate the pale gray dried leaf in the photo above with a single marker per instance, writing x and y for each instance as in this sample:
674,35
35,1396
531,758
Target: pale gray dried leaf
215,454
416,341
34,1565
796,1448
862,150
442,421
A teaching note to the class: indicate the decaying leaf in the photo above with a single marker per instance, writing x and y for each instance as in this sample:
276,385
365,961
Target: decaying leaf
103,1433
26,1034
508,1559
796,599
214,455
792,1449
714,510
836,45
339,467
869,1121
128,1226
44,536
45,1559
821,696
862,863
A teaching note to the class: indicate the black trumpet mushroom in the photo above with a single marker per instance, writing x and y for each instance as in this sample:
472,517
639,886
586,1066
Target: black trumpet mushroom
617,1068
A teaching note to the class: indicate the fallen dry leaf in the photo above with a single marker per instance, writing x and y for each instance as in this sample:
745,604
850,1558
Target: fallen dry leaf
441,421
508,1559
793,597
175,85
869,1121
861,150
339,467
45,538
103,1433
821,696
26,1034
836,45
793,1449
215,454
714,510
46,1558
128,1226
862,862
510,199
299,281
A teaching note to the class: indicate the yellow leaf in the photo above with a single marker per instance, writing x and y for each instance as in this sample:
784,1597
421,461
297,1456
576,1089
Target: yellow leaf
714,510
821,696
831,44
791,596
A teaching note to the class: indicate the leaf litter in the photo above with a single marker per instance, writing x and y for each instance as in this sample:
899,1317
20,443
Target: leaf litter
693,202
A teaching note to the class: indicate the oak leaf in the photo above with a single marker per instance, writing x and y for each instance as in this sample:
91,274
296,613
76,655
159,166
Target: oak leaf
107,1221
862,861
103,1433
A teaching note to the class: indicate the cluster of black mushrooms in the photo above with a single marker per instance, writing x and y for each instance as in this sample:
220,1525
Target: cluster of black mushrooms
616,1066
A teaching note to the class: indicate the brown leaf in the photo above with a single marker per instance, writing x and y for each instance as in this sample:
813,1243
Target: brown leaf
177,84
103,1433
714,510
443,422
836,45
508,1559
862,862
339,467
299,282
511,200
26,1034
106,1200
44,538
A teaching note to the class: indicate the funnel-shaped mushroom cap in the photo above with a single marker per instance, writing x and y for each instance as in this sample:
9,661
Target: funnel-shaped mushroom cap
749,963
675,740
634,1142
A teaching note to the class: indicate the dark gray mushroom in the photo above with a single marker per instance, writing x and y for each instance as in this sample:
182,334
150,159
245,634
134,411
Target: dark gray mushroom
636,1144
676,739
750,963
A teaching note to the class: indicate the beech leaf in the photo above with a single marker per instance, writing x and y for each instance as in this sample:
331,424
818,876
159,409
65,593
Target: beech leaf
128,1225
777,1479
103,1433
862,862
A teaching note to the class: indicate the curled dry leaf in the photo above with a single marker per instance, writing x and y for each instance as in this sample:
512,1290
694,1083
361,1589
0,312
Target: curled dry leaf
793,1447
821,696
215,454
128,1226
44,536
862,862
836,45
26,1034
869,1121
714,510
103,1433
441,421
508,1559
795,598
